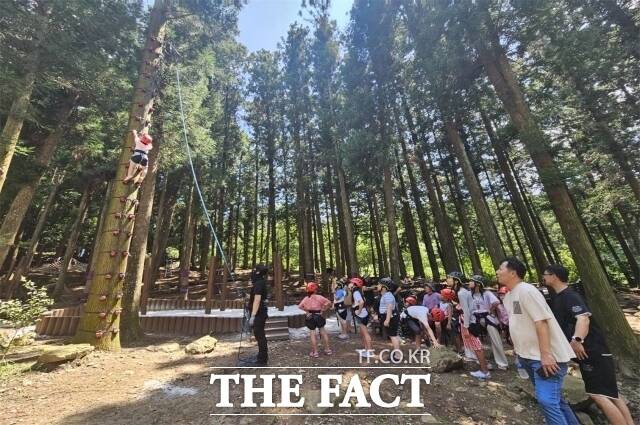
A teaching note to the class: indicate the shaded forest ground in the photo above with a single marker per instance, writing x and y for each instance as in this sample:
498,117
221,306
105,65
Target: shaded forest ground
155,382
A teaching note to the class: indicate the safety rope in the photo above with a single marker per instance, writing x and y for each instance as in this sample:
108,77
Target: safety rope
195,179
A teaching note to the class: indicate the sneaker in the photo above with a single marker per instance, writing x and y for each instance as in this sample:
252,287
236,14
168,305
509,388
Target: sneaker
501,367
480,374
522,374
343,336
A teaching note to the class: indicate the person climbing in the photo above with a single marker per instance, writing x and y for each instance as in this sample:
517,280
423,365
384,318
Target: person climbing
139,162
314,305
472,344
484,304
419,313
388,313
258,311
361,315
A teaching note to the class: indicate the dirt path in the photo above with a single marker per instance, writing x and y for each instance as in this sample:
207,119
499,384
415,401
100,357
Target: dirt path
143,385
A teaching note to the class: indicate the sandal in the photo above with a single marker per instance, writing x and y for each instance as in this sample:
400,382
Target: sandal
328,352
314,354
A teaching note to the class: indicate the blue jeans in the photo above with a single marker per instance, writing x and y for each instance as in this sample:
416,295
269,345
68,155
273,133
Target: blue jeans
549,393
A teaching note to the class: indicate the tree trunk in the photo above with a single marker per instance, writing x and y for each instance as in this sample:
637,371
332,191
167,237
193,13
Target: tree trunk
25,262
382,267
106,294
166,211
620,336
547,243
72,242
417,200
320,237
409,226
537,249
132,288
187,243
22,201
383,250
99,230
339,265
350,251
458,202
18,111
443,226
477,198
254,245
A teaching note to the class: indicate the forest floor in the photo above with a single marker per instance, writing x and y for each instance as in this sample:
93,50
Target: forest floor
155,382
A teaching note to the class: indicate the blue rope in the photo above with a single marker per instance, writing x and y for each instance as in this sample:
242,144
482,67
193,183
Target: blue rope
195,179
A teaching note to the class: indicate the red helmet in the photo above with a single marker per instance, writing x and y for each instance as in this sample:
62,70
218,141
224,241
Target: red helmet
448,294
357,281
312,287
437,315
410,300
503,290
146,139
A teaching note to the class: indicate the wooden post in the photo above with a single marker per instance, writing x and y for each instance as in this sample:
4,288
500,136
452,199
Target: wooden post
211,281
277,281
225,288
146,284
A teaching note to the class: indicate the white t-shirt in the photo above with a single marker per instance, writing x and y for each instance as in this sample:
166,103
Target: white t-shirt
481,303
419,312
357,297
385,300
526,305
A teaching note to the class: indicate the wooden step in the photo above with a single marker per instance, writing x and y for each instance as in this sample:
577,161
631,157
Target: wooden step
279,336
276,329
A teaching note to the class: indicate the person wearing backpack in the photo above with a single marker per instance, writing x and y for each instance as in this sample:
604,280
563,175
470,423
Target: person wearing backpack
314,305
388,312
361,315
484,304
341,308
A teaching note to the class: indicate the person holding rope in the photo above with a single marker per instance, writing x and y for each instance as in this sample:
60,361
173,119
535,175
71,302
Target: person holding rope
139,162
258,312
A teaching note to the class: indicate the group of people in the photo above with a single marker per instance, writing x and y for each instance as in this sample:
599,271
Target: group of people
545,334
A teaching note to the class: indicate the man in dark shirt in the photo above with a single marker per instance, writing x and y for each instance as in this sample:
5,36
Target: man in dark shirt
258,311
588,342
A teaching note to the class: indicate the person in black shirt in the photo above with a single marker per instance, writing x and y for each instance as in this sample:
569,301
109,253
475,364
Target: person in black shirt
258,311
588,342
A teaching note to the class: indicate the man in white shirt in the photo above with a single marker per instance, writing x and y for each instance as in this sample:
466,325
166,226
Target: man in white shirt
538,340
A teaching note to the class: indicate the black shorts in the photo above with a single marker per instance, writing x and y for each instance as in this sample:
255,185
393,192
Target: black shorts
599,375
342,314
315,321
361,320
394,324
140,158
414,326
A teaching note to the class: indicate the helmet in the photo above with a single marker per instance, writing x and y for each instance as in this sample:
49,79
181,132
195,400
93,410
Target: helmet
456,275
387,283
312,288
410,300
479,279
437,315
146,139
448,294
340,293
357,281
503,290
260,270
